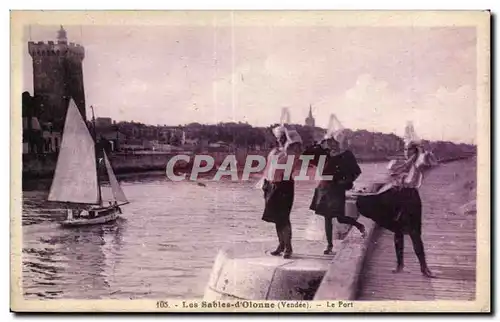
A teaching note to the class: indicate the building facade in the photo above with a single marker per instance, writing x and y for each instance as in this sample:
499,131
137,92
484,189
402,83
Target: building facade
38,137
103,122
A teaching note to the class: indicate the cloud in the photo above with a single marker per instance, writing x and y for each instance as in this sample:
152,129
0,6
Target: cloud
450,114
445,114
371,104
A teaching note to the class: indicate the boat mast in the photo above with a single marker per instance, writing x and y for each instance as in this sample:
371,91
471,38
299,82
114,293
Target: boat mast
96,155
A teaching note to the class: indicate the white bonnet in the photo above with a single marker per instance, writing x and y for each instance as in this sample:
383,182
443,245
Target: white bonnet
411,137
292,136
339,136
279,131
335,130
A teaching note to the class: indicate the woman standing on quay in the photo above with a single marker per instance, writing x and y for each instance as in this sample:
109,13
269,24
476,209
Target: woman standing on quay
278,187
330,195
397,205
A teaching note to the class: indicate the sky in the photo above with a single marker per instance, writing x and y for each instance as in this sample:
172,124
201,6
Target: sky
373,78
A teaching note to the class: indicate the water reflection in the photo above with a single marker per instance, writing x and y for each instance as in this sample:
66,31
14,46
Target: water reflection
70,262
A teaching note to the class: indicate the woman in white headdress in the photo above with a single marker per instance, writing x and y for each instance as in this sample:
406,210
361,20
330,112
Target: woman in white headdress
397,205
279,187
330,195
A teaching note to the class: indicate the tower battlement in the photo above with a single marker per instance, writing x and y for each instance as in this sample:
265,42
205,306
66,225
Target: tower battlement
58,77
56,49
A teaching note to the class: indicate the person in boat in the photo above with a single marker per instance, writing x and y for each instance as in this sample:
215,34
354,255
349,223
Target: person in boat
118,207
69,214
330,195
397,206
279,187
80,212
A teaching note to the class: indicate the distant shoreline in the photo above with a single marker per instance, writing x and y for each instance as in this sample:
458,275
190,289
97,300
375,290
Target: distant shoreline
45,170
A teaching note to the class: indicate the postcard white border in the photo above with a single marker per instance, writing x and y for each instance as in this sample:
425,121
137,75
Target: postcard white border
479,19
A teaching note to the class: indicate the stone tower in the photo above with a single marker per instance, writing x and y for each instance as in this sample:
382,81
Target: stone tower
57,76
310,118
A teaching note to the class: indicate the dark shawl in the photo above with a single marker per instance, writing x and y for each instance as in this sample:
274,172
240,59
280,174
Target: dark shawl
329,196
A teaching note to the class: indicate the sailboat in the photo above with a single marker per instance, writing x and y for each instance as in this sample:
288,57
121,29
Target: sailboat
76,180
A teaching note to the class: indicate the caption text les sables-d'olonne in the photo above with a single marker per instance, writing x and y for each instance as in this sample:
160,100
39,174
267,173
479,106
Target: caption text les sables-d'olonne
252,305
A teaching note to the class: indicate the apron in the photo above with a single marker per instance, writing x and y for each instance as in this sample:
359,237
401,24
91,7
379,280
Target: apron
278,198
329,201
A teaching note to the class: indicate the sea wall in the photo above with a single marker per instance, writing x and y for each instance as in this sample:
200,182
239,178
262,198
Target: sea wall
247,270
39,165
43,165
343,273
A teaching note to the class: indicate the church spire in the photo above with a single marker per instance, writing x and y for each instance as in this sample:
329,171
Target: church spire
310,119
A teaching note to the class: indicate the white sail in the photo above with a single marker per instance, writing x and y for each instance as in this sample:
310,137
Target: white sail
75,178
116,189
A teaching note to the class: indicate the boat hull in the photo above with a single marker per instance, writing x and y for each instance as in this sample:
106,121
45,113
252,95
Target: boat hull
100,219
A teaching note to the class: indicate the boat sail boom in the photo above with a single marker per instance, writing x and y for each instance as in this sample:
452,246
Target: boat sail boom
75,178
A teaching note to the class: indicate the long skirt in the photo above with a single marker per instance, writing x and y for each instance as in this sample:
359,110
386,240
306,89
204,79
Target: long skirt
329,201
279,201
398,210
